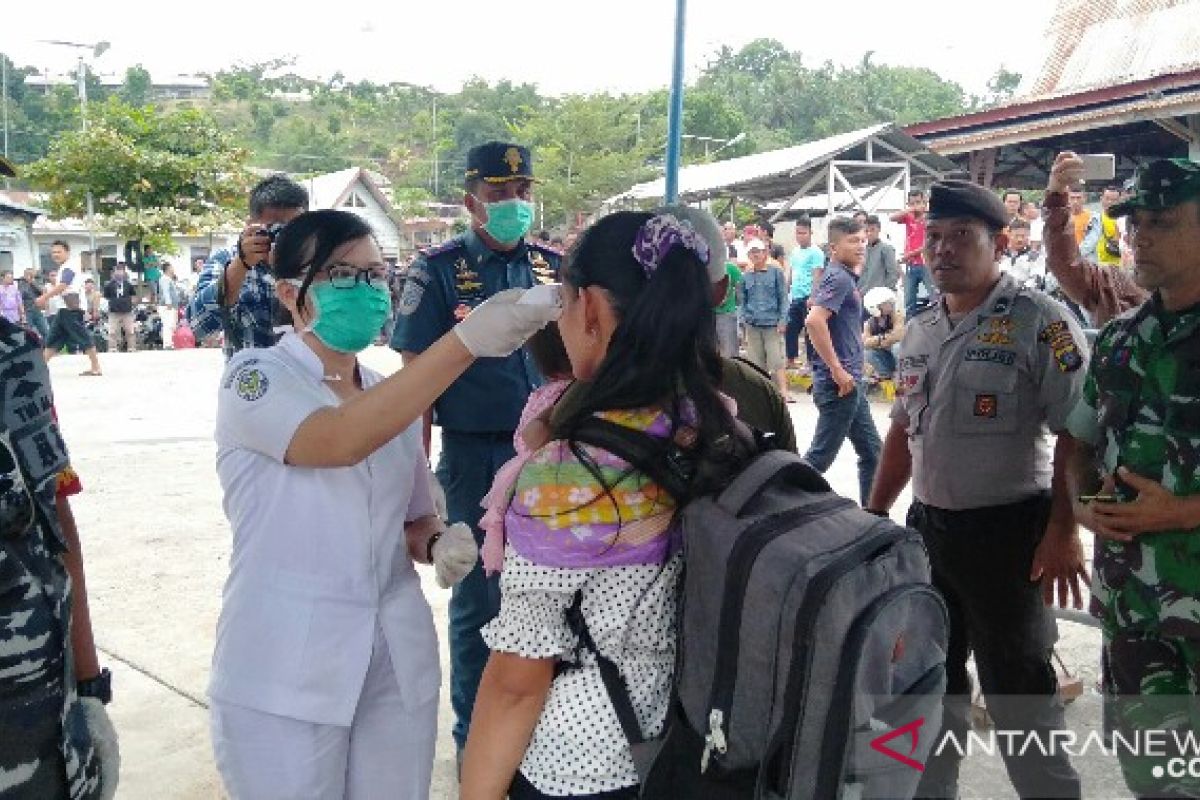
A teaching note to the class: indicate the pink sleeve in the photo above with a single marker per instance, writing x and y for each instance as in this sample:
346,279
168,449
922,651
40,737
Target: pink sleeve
540,399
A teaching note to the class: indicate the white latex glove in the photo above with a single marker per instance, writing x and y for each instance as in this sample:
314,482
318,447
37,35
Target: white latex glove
501,324
104,740
455,554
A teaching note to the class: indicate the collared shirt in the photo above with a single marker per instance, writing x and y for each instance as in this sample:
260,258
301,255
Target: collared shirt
763,297
980,398
880,268
839,294
250,319
442,285
319,557
1141,409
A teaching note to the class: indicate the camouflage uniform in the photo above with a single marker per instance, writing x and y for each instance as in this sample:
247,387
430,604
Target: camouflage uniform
45,749
1141,410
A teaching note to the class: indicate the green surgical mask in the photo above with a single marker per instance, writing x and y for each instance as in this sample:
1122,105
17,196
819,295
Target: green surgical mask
348,320
508,220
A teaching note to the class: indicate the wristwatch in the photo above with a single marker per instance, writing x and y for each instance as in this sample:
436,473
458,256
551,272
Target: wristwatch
433,539
99,687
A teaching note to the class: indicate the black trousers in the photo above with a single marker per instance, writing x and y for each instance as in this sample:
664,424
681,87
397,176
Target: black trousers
522,789
797,312
981,561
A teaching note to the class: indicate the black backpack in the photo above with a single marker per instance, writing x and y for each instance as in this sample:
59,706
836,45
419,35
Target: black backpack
811,653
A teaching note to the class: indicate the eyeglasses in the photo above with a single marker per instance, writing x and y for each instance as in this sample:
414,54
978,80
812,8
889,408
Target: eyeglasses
346,276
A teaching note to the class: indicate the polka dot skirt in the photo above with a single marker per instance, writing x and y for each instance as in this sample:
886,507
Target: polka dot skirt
578,746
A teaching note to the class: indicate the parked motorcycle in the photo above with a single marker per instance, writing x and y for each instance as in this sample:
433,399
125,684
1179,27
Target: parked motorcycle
147,327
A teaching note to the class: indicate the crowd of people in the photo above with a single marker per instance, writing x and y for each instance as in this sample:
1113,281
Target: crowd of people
1011,429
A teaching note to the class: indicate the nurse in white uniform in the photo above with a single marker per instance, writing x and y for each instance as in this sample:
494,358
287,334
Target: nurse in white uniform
326,673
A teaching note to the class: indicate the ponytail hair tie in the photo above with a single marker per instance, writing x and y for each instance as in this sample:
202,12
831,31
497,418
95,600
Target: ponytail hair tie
660,234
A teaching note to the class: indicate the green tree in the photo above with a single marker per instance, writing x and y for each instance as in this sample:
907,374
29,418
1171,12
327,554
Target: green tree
149,172
135,90
1001,87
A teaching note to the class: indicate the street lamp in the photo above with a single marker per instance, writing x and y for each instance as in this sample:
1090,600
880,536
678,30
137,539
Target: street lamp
98,49
710,140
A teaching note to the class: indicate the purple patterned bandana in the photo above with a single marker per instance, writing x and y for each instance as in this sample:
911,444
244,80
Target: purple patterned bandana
661,233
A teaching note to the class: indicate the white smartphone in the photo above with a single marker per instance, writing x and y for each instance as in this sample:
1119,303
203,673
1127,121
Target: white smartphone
1099,167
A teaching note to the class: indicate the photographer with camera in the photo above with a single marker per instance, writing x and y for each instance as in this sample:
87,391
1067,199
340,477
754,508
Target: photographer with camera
235,292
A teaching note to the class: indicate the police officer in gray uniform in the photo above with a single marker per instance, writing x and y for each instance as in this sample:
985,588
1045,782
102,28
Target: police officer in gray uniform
480,411
986,375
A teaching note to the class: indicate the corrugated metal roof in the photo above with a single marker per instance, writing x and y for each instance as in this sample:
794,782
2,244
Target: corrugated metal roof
779,173
12,205
1097,43
1025,129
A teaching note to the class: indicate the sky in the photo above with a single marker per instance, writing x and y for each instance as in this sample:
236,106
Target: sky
563,46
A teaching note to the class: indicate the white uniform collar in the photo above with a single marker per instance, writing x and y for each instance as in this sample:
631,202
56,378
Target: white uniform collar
294,347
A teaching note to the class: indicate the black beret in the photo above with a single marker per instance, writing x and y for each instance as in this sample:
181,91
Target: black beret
499,162
959,198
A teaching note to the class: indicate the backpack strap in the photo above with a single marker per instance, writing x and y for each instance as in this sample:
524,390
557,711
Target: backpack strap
610,673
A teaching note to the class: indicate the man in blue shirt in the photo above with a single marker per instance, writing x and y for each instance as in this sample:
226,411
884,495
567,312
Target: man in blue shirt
480,411
835,337
235,292
805,260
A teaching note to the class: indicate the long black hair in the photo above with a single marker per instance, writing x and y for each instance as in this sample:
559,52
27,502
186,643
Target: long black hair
305,245
664,349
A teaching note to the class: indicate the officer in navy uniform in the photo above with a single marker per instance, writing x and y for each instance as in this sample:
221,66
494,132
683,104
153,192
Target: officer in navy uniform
480,411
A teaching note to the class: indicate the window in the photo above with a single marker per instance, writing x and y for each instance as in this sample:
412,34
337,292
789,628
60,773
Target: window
6,261
354,200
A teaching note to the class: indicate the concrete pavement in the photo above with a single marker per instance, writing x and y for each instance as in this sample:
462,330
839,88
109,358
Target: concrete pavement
156,551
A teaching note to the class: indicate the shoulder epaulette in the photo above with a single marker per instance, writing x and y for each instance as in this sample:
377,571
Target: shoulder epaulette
448,246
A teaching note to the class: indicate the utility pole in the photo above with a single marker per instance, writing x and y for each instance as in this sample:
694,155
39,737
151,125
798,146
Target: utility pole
4,92
98,50
91,210
436,166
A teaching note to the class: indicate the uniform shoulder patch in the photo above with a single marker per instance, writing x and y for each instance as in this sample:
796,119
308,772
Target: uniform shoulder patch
415,282
250,383
1057,336
449,246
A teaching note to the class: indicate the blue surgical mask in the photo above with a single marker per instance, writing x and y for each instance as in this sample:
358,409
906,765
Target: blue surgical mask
508,220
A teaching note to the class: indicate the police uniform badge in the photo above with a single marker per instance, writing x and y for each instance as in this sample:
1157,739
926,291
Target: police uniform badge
998,332
986,406
468,287
542,271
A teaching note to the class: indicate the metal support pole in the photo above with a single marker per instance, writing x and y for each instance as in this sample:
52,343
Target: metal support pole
435,150
4,90
91,212
675,111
